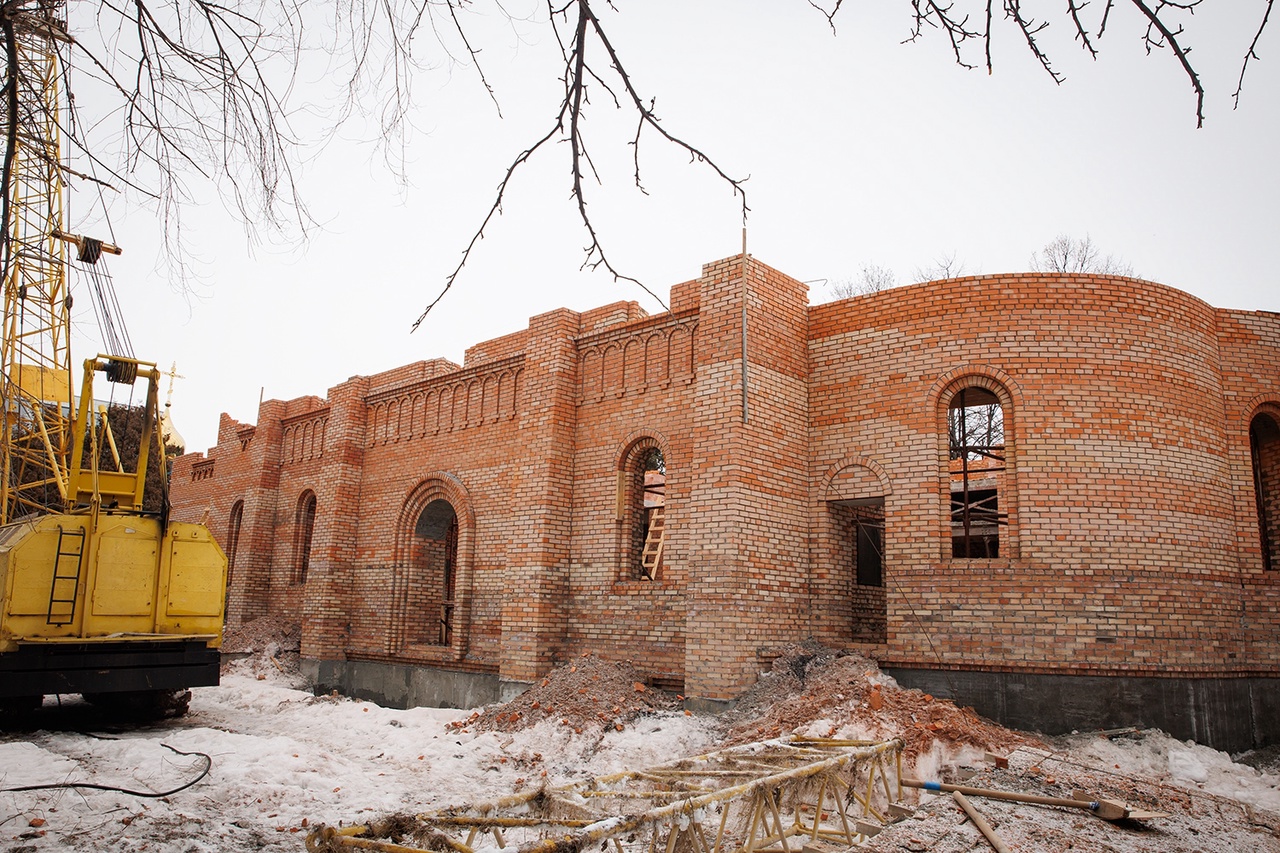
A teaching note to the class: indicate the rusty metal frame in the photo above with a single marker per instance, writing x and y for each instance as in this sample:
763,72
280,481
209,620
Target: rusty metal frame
777,795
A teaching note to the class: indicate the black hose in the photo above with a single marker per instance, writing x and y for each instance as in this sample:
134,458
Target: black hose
208,765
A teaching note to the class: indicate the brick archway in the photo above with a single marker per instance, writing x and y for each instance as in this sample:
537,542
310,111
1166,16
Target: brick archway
432,491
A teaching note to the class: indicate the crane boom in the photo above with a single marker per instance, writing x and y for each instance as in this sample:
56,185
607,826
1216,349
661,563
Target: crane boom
36,442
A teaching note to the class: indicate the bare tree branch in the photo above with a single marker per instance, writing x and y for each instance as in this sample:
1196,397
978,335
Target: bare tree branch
1251,53
1082,34
578,72
1170,37
1030,29
1065,254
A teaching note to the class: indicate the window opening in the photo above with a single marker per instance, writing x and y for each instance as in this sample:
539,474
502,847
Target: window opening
975,426
233,538
859,524
447,588
650,533
869,524
305,527
1264,446
432,590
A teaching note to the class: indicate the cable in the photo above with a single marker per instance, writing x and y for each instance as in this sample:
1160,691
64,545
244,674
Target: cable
208,765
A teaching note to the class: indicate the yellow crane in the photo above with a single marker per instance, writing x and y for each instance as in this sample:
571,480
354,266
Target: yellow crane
100,596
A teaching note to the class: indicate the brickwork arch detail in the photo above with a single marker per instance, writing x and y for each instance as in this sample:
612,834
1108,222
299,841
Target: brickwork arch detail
436,485
985,376
1268,403
636,363
640,440
447,405
1007,391
851,461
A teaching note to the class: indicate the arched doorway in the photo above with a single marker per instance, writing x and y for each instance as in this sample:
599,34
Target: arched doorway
433,576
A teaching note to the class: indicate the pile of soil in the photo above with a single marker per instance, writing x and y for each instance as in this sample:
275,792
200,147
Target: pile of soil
585,693
266,647
820,692
259,634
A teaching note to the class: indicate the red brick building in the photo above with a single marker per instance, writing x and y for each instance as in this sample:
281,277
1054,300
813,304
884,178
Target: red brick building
1054,497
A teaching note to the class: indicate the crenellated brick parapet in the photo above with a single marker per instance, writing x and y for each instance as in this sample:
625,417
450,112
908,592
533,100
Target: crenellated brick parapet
460,400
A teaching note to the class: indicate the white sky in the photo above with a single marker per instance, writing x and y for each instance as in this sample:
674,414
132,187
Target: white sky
859,150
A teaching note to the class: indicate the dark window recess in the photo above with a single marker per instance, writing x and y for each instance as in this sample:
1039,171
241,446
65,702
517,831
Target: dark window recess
1264,445
305,528
432,596
233,538
648,513
870,556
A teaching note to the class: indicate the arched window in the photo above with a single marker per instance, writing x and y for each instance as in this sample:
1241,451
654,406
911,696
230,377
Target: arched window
642,509
233,538
430,591
1264,444
304,528
977,470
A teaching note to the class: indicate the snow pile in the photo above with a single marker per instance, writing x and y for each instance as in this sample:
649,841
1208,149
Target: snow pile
1152,754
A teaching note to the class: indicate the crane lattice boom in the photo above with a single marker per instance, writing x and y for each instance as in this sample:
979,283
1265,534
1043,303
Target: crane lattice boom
36,438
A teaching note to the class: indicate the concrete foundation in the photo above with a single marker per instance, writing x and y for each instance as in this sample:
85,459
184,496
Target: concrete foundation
406,686
1230,714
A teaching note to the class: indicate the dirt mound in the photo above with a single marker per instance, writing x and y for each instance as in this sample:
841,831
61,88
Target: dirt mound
821,692
259,634
585,693
267,648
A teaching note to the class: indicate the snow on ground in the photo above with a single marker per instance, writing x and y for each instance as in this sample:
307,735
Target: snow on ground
1186,764
284,760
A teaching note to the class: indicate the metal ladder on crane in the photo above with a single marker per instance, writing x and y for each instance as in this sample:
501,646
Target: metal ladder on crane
651,555
66,577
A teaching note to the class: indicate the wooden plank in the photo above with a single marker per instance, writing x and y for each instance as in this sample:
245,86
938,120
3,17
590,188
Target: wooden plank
981,823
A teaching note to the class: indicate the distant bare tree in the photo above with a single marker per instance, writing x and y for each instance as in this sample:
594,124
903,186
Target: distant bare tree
872,278
1078,255
944,266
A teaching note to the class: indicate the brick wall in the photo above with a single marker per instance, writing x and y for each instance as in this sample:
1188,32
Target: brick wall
1132,540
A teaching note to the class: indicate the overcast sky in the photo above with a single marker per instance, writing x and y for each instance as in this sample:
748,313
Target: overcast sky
859,149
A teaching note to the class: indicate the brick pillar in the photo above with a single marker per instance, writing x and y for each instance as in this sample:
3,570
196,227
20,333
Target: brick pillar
327,598
534,620
256,576
748,571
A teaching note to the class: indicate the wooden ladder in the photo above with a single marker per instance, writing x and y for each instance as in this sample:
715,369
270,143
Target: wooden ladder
651,556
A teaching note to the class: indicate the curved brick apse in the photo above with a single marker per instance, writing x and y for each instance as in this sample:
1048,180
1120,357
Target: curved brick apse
1053,497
